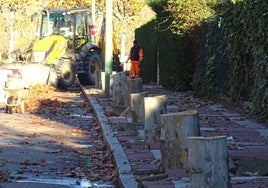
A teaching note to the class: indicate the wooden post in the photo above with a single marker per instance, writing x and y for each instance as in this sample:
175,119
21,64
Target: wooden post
153,108
208,162
175,130
137,107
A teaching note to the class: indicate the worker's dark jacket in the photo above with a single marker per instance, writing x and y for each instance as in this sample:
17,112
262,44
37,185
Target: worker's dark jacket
134,53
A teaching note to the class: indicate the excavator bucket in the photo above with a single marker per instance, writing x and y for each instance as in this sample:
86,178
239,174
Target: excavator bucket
33,74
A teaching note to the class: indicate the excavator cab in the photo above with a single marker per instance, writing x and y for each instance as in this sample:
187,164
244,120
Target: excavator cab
74,25
64,43
63,49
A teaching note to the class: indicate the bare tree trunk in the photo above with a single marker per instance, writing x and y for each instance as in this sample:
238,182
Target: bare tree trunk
175,130
208,162
11,34
123,56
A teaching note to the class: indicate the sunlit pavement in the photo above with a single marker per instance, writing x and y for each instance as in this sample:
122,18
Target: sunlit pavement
48,150
247,141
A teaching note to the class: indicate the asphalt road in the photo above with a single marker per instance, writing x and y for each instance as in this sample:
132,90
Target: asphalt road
61,147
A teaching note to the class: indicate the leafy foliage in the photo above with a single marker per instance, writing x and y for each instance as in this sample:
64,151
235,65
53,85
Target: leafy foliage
187,14
236,37
224,43
126,16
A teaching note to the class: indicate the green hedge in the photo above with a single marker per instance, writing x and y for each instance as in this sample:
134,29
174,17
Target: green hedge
237,41
224,57
167,50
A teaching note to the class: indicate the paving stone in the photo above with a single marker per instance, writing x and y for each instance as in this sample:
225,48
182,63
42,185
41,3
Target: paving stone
157,154
246,139
118,119
250,183
177,173
253,153
140,156
126,138
145,168
157,184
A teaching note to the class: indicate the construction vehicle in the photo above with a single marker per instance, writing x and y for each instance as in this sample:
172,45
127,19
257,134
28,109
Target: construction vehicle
63,48
62,51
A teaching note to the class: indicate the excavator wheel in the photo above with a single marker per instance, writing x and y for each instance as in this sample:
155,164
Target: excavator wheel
10,107
93,63
66,73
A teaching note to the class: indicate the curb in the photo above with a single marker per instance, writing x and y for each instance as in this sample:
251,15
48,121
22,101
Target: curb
237,122
126,178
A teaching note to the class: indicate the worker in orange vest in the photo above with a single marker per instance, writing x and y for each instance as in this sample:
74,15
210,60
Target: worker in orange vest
135,56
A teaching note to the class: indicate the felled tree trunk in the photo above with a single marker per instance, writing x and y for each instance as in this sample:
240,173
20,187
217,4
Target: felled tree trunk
154,107
137,107
175,130
208,162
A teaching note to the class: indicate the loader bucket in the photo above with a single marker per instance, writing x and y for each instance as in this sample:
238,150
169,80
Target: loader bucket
33,74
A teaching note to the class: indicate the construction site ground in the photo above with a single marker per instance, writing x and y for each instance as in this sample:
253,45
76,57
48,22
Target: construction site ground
56,143
62,145
138,163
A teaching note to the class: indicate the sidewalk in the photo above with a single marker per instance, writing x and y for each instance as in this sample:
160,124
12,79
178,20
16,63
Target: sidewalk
138,165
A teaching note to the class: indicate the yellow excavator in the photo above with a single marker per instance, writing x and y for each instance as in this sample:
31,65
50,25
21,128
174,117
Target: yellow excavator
63,49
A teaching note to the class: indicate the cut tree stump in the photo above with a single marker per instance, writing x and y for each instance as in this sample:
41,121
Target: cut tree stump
118,89
134,85
175,130
208,162
137,107
121,86
153,108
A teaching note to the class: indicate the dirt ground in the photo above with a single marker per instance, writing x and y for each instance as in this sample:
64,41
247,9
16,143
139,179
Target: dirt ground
57,142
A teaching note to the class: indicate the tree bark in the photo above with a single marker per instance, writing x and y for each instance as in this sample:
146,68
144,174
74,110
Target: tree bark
175,130
208,162
154,107
137,107
121,86
118,89
134,85
11,35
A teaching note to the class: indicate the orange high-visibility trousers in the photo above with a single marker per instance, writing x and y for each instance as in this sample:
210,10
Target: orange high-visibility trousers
135,69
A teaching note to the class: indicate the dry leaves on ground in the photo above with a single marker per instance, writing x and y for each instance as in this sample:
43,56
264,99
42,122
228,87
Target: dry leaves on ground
36,97
100,166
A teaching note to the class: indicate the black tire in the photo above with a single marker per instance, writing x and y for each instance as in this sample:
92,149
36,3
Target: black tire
92,64
66,73
22,107
9,107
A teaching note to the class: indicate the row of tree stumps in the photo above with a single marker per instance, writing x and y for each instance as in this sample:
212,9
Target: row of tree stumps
205,158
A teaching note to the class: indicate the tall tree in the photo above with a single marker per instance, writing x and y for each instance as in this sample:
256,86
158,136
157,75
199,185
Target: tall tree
188,14
12,11
126,14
